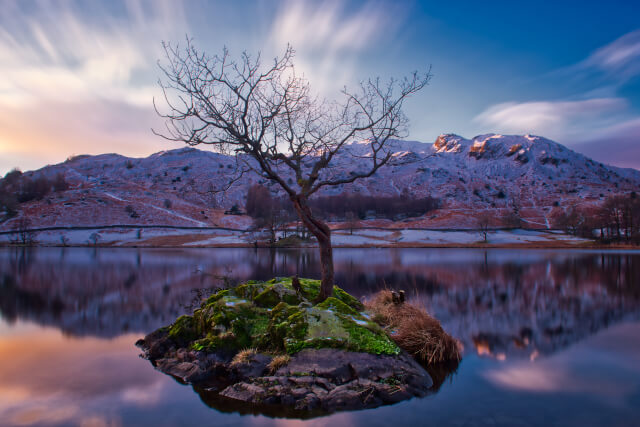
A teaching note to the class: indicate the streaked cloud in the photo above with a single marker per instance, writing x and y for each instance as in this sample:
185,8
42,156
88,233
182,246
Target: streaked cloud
327,27
620,57
61,55
595,119
554,119
79,82
328,37
78,76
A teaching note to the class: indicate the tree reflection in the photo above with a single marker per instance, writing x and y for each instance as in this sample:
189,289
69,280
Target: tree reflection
499,303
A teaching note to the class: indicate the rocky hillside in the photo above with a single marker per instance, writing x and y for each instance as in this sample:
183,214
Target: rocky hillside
499,173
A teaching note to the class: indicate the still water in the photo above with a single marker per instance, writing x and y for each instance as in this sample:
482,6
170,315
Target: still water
551,337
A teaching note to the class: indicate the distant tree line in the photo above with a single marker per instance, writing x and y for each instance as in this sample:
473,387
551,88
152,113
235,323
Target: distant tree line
268,212
616,220
389,207
272,212
17,188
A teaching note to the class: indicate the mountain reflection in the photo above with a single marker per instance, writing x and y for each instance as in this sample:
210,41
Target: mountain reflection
499,303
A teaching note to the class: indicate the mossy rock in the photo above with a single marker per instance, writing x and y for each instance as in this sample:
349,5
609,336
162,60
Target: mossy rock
277,293
272,316
319,327
338,306
183,329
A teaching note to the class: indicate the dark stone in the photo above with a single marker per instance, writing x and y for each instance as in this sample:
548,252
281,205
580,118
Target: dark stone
185,371
325,362
257,367
314,382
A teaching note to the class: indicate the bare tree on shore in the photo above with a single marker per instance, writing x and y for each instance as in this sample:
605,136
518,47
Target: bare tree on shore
23,234
270,120
483,222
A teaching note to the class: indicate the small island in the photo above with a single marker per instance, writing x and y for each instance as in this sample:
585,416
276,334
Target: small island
267,346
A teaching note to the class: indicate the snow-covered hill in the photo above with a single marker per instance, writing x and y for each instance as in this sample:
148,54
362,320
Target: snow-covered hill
489,172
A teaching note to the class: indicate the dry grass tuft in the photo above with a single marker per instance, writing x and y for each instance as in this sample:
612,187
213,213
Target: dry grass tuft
278,362
413,329
243,357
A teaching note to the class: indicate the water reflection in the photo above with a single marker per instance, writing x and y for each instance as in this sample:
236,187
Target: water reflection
43,381
69,318
499,302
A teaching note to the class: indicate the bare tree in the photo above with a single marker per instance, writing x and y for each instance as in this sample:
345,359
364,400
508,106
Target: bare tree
483,222
94,239
22,233
268,118
350,221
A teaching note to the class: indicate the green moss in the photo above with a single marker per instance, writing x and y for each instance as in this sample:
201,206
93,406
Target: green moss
324,324
348,299
274,317
311,289
337,305
282,317
199,345
364,339
226,341
183,329
250,289
318,327
215,297
276,293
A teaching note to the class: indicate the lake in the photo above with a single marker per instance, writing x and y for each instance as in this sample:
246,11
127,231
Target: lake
551,337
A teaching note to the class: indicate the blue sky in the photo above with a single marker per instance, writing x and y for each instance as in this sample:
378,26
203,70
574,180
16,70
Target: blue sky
79,77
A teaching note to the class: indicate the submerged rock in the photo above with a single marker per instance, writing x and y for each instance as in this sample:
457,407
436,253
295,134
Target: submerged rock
265,344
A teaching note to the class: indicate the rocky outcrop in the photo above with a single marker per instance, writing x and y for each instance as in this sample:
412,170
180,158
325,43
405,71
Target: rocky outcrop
265,344
314,381
332,380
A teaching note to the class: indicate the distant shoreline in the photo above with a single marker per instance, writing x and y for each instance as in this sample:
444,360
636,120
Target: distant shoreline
163,236
239,246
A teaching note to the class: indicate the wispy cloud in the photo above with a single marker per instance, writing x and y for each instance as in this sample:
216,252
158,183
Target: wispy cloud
75,77
328,38
594,118
556,119
79,77
61,54
620,58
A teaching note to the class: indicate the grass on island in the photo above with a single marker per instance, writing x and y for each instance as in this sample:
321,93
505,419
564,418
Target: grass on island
413,329
243,356
278,362
278,318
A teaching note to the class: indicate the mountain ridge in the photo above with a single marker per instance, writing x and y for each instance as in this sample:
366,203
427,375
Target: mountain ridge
493,172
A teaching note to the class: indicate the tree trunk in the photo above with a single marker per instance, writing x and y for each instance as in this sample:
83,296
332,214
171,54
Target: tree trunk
326,263
322,233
